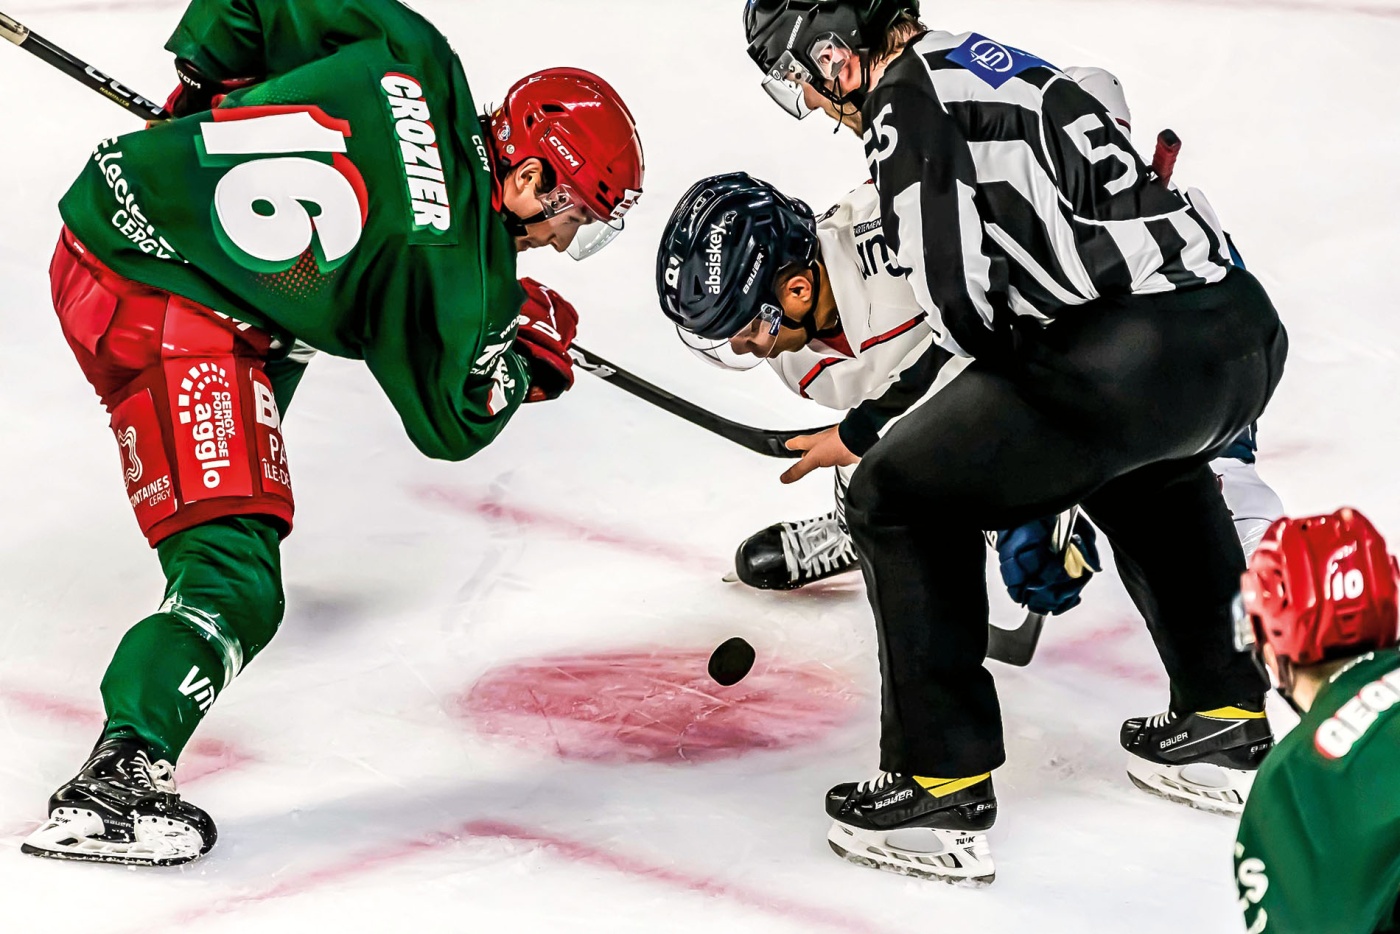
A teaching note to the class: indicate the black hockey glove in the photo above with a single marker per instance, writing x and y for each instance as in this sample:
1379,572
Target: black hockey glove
197,91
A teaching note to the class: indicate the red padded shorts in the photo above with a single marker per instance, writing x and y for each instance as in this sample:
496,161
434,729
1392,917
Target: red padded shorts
193,411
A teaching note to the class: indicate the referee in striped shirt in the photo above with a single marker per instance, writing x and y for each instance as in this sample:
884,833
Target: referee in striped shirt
1116,351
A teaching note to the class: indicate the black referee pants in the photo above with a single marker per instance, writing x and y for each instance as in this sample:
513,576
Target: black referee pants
1119,405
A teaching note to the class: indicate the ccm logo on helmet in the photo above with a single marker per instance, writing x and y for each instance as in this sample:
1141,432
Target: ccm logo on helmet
574,162
422,161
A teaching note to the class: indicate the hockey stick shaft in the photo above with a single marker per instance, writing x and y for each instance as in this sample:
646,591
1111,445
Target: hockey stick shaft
74,67
771,443
759,440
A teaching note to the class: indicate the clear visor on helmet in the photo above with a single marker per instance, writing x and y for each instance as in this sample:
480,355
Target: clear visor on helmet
594,232
1244,626
592,237
830,54
784,84
753,344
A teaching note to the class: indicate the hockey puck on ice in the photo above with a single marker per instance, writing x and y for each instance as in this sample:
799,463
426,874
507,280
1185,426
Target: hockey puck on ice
731,661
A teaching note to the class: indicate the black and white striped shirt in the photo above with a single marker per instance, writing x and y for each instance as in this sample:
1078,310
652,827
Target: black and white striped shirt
1009,190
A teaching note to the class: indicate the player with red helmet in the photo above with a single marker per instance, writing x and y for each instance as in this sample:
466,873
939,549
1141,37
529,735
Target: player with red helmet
585,140
328,184
1319,842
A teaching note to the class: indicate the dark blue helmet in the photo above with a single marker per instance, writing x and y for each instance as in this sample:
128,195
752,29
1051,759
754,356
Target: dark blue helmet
723,248
801,40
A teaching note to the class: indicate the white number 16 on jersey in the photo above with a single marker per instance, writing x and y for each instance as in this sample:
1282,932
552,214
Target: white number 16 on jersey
270,210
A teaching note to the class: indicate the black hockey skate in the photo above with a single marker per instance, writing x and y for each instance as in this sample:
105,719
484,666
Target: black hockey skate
123,808
1206,760
790,555
929,827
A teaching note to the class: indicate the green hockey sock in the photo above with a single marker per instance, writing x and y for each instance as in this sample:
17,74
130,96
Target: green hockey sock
223,605
161,682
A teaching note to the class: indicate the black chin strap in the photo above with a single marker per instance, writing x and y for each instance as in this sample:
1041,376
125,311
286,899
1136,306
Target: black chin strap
856,99
808,324
517,225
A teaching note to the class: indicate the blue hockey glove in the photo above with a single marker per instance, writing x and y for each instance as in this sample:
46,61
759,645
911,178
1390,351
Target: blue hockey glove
1036,576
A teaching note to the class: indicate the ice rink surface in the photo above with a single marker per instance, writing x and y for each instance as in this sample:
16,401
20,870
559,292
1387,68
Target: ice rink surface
487,707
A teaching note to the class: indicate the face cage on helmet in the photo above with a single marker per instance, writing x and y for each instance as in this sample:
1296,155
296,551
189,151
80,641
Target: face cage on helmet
828,55
1245,639
592,236
717,351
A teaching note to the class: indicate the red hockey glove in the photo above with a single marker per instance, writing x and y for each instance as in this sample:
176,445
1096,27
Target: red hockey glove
548,325
197,91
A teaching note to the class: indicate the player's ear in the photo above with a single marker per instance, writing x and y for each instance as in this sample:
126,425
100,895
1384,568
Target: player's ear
526,178
798,286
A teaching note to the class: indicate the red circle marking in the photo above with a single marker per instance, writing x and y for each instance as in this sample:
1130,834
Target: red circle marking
655,706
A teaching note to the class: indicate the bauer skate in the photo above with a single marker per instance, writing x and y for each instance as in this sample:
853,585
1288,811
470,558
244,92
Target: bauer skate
928,827
1205,760
123,808
790,555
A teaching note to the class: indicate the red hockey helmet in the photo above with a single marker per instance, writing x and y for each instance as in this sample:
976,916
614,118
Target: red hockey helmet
576,124
1319,589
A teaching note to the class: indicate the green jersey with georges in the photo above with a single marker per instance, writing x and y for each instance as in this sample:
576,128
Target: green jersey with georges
1319,841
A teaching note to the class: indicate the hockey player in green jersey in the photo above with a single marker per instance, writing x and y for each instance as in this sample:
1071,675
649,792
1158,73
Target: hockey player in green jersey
1319,842
327,184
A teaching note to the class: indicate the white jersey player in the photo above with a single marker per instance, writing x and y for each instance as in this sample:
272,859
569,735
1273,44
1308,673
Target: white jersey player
878,362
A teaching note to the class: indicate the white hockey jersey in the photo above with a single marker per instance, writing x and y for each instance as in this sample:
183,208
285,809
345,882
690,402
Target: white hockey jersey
890,362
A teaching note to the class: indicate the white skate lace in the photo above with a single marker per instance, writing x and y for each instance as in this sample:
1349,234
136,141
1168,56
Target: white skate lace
817,546
158,776
162,776
879,782
1161,720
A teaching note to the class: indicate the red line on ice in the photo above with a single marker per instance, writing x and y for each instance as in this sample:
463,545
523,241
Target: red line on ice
203,757
490,506
704,885
1095,650
572,850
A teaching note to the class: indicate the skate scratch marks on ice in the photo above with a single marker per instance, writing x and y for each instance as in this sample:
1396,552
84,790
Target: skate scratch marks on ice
580,852
1095,650
203,757
572,850
489,506
655,705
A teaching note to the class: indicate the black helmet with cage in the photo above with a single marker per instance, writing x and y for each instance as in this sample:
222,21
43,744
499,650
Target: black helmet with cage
724,247
797,41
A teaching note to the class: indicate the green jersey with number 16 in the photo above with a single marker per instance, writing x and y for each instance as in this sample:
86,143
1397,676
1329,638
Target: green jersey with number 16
343,200
1319,843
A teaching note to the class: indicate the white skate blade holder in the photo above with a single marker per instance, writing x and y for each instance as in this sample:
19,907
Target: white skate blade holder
944,855
1200,785
76,834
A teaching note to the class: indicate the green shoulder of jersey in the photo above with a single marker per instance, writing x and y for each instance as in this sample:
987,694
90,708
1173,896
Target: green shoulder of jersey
1319,842
343,200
